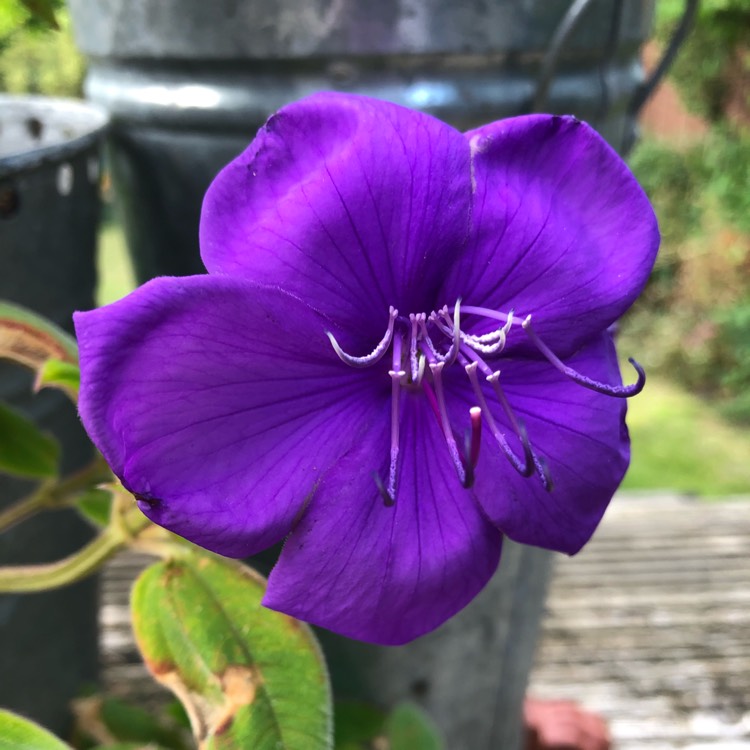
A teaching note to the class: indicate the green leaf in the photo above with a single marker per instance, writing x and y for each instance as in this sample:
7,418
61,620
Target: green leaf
21,734
132,724
26,451
30,339
409,728
356,723
95,505
247,676
55,373
44,10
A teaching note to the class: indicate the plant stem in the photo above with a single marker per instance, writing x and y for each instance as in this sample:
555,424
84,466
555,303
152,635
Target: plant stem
28,578
53,494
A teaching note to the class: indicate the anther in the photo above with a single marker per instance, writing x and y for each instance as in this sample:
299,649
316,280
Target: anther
489,343
452,330
618,391
376,354
542,469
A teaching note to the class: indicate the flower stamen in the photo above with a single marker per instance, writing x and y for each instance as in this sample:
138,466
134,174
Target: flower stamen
436,368
526,467
618,391
539,463
413,353
397,377
376,354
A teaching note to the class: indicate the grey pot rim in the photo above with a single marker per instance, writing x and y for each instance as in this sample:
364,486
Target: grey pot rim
93,122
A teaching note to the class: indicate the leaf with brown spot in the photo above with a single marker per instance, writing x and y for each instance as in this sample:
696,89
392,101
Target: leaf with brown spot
34,342
248,677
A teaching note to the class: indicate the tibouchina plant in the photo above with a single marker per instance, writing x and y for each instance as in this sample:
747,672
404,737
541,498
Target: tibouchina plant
400,355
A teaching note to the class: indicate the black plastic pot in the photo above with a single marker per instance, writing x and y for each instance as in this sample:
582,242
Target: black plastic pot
49,208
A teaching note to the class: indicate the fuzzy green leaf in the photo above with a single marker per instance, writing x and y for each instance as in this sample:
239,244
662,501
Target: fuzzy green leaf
55,373
95,505
356,724
409,728
30,339
247,676
25,450
17,733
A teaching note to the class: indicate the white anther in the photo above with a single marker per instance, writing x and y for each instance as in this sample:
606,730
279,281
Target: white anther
376,354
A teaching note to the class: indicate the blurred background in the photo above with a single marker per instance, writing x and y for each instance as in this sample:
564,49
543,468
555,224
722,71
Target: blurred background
691,329
648,626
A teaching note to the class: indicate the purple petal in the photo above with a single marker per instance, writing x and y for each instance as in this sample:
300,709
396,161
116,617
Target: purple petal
562,230
220,404
580,433
387,574
350,203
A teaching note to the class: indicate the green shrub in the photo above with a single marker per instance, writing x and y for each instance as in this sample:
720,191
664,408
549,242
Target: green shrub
35,59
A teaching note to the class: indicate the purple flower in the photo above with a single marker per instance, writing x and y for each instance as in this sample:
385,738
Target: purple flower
399,355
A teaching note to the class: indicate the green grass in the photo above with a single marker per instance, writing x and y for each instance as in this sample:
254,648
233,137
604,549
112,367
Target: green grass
115,271
679,441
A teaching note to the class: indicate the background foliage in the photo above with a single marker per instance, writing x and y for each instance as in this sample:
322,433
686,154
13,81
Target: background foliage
694,321
33,60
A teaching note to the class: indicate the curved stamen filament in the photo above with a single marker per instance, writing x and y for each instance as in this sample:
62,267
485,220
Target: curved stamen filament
453,331
429,349
618,391
486,343
376,354
539,463
486,312
437,378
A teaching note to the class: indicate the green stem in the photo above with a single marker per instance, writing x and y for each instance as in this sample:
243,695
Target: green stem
53,494
28,578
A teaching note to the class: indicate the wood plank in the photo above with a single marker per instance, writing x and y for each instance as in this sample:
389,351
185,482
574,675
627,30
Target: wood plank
649,625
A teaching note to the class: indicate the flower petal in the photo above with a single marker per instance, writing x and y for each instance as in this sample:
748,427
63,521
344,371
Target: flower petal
580,433
219,404
387,574
350,203
561,229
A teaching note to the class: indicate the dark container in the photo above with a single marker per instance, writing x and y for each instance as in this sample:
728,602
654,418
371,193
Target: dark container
49,208
188,83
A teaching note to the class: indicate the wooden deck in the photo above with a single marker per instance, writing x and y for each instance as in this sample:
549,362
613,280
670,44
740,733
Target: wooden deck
649,625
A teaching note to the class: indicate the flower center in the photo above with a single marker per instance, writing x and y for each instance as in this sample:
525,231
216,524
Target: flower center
422,347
